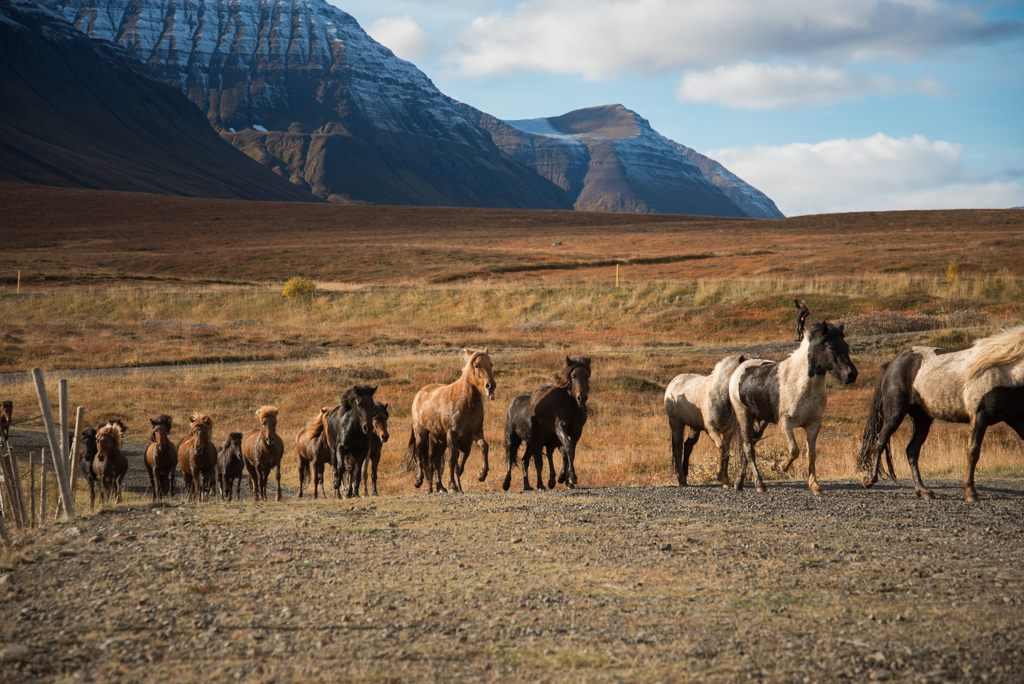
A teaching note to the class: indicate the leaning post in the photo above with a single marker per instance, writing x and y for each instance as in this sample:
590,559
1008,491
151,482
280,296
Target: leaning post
76,454
59,463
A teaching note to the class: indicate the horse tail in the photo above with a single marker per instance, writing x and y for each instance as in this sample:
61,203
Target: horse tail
873,428
511,455
409,460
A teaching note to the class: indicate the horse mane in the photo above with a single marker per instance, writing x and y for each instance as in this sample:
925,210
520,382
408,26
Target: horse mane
380,408
472,355
265,411
563,378
998,350
232,436
203,418
112,430
315,426
350,396
162,419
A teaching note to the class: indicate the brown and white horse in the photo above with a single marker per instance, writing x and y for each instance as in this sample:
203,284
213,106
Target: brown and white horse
197,458
161,458
981,386
450,418
791,394
262,450
701,403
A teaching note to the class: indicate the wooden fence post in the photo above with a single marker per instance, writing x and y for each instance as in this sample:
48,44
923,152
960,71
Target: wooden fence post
59,463
32,488
76,454
42,488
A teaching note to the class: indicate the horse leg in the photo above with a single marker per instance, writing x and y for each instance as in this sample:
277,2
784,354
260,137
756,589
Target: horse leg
152,479
277,474
512,442
303,473
811,433
977,435
746,428
786,426
684,465
538,465
922,424
678,435
374,462
453,459
484,449
568,453
723,441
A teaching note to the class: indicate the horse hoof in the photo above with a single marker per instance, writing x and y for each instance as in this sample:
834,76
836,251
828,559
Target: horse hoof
561,478
506,483
925,494
867,482
817,491
971,495
761,489
738,486
527,488
482,476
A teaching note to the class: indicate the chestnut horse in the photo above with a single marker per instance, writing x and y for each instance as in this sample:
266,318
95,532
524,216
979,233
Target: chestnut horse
312,450
161,458
451,418
110,463
262,450
197,458
377,439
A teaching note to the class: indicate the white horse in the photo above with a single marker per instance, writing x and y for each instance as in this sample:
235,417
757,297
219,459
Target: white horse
701,403
791,394
982,386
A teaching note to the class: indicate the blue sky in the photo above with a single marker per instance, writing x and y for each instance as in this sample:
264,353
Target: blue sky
825,105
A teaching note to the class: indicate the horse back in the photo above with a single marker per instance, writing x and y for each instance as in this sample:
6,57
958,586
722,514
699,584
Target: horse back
439,408
518,418
754,389
940,382
685,397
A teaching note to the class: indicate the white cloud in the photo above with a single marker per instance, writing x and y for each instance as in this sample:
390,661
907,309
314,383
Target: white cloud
765,86
603,38
877,173
402,35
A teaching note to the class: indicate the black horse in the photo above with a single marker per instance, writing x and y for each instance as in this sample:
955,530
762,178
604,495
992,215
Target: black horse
553,416
230,466
349,428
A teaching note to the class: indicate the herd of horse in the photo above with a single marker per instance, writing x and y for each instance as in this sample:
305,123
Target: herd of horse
980,386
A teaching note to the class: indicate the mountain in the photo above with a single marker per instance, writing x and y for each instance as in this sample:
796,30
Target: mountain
82,113
301,88
610,159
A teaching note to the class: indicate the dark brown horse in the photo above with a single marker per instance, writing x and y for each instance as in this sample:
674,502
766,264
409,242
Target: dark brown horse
161,458
349,426
230,466
262,450
451,418
311,449
197,458
110,464
6,412
553,417
377,439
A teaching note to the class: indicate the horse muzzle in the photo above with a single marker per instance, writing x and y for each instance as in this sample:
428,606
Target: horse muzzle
581,400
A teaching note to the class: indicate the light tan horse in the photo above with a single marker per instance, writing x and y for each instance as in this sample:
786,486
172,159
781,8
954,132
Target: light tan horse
449,418
262,450
197,458
110,463
312,449
161,458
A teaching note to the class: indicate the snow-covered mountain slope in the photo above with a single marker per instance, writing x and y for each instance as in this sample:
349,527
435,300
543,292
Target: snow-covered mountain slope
610,158
303,69
85,114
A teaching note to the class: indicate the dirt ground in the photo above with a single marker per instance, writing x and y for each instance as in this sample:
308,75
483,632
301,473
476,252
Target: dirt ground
641,584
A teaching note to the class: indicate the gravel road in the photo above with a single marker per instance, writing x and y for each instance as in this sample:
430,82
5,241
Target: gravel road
639,584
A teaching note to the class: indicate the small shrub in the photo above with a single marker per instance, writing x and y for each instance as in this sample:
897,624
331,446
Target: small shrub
299,288
953,271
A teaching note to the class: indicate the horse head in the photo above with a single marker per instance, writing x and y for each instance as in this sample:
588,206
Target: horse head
359,398
161,427
202,429
268,422
380,421
6,411
108,438
575,378
480,371
828,352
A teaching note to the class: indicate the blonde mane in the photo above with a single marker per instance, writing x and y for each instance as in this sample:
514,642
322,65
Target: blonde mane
203,418
998,350
315,426
112,431
267,410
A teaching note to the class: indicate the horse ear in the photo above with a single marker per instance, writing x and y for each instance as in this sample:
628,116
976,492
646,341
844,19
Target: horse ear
373,389
385,407
842,328
486,350
568,360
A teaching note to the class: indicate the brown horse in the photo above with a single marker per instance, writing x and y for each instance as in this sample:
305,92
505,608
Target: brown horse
110,463
377,439
161,458
6,411
451,417
262,450
312,450
197,458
